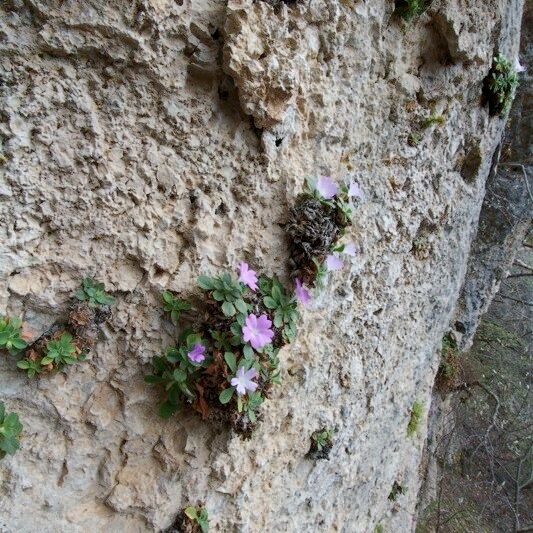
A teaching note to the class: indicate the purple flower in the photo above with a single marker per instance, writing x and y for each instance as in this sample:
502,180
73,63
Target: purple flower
302,294
196,355
326,187
257,331
333,262
350,249
354,191
247,276
243,381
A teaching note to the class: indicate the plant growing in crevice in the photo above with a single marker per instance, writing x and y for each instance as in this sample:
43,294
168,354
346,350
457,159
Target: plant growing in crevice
225,360
10,430
417,412
193,519
321,444
449,364
94,293
499,87
71,338
397,490
226,357
11,335
317,221
432,120
409,9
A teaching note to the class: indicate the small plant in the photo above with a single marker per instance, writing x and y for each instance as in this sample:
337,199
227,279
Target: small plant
417,413
199,516
409,9
61,352
227,291
500,86
321,444
68,342
283,305
94,293
414,139
174,306
449,364
433,119
10,429
397,490
11,335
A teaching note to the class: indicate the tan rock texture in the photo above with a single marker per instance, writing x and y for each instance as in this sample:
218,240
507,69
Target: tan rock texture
145,142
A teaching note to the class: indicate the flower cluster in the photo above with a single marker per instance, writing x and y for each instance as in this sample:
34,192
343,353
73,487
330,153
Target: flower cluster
226,360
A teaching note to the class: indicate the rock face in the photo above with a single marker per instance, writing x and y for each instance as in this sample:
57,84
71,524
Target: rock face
146,142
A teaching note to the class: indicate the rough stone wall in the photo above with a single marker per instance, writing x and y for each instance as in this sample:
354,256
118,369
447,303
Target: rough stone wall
147,142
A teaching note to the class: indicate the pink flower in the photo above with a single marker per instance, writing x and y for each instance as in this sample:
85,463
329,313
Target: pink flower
302,294
257,331
326,187
354,191
247,276
333,262
243,381
517,66
350,249
196,355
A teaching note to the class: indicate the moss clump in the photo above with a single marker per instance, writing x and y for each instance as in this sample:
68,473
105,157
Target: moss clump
417,412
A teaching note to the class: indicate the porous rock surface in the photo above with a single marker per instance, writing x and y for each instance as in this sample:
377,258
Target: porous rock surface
146,142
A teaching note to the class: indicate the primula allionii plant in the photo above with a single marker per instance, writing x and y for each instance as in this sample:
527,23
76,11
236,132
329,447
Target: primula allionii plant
226,357
94,293
10,429
69,341
11,335
500,86
321,444
317,221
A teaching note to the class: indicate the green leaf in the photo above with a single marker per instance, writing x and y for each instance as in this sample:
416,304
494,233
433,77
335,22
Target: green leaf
166,410
9,445
228,309
241,306
179,375
23,364
276,292
278,320
235,327
46,360
270,302
204,525
252,417
19,344
231,361
2,412
248,351
241,319
226,395
218,296
69,360
205,282
191,513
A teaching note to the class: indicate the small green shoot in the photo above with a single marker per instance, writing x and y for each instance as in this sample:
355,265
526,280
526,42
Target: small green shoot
94,293
225,290
174,306
198,515
60,352
10,429
11,335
